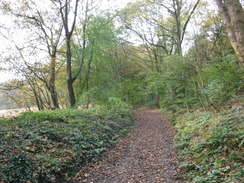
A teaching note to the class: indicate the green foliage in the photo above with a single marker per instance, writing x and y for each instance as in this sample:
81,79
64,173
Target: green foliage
224,78
117,75
98,82
118,103
212,143
19,168
171,87
48,146
132,90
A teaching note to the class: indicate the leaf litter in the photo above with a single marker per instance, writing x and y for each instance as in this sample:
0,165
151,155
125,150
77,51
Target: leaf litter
146,155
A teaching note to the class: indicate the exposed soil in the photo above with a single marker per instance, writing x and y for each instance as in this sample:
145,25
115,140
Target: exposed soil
14,112
146,155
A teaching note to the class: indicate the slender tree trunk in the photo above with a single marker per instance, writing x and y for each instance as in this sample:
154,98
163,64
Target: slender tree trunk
39,102
69,30
70,80
233,15
197,95
88,72
38,98
52,87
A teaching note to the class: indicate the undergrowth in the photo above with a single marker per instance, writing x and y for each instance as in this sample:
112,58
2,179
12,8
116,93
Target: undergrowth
49,146
211,144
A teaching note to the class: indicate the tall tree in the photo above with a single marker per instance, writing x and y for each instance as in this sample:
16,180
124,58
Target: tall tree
71,18
65,9
233,15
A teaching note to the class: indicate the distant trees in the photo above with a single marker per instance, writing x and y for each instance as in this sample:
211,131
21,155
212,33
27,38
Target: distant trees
51,28
7,91
136,55
46,30
160,27
206,75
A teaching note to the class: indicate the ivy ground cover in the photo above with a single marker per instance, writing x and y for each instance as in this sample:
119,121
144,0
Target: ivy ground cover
49,146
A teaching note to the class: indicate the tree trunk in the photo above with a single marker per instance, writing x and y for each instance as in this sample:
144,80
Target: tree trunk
65,10
177,5
52,86
89,72
197,95
233,15
38,99
70,80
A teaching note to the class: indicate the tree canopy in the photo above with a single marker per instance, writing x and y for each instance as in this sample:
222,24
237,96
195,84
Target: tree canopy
172,54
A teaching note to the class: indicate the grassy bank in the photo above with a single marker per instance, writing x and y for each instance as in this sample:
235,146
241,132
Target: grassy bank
49,146
212,144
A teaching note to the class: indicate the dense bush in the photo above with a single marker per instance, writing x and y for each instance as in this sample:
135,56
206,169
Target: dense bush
48,146
211,144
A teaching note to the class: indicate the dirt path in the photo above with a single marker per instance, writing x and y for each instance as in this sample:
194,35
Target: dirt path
146,155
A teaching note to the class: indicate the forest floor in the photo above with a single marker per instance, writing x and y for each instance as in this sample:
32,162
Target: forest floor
145,155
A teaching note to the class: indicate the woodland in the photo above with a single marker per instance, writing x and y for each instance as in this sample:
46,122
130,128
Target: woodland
85,66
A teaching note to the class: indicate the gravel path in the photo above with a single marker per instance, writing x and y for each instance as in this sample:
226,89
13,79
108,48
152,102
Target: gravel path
146,155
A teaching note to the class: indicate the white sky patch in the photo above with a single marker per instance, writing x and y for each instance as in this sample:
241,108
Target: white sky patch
5,76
